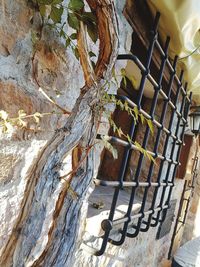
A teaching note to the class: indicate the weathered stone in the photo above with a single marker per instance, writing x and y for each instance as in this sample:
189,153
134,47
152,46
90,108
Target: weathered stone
24,67
56,70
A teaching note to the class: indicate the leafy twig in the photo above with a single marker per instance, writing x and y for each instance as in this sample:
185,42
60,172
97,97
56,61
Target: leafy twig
7,123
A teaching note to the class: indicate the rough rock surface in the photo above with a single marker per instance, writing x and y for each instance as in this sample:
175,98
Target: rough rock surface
22,71
56,70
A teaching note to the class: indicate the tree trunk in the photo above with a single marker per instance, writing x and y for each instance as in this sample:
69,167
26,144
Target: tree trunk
46,229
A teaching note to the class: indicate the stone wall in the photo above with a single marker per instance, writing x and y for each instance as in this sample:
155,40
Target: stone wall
19,90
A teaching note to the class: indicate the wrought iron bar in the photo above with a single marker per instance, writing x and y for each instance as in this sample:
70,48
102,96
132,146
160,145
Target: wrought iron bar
131,224
145,73
153,106
156,219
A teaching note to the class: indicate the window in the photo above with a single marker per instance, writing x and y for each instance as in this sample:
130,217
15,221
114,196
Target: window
132,172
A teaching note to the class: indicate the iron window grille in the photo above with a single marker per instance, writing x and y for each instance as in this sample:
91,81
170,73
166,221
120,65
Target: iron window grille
132,224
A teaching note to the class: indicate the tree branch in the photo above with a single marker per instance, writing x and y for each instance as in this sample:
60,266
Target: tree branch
84,56
108,36
47,212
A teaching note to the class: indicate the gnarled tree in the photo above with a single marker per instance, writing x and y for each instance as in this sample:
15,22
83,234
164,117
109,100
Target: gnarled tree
45,230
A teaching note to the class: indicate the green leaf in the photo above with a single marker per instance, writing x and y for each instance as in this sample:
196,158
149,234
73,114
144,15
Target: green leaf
91,54
115,77
92,31
34,38
124,80
62,33
120,104
7,127
133,81
75,5
76,53
142,118
123,72
88,16
150,157
21,123
136,111
106,96
129,138
73,36
113,98
114,127
56,14
68,42
73,21
150,124
55,2
126,106
37,116
132,115
119,132
42,9
139,147
93,64
109,147
21,113
3,115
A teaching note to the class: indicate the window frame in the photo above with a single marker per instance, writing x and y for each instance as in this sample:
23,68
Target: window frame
157,212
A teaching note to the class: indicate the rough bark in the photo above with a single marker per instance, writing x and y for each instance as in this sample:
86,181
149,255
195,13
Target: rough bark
46,230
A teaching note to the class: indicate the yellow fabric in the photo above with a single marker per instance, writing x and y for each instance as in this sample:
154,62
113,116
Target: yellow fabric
180,19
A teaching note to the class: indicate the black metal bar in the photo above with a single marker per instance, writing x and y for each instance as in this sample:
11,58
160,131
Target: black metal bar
162,119
178,152
125,219
151,79
171,69
116,140
153,106
129,184
144,219
156,219
145,73
147,116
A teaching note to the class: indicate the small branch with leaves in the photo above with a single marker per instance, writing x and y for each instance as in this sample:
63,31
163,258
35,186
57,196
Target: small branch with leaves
7,123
